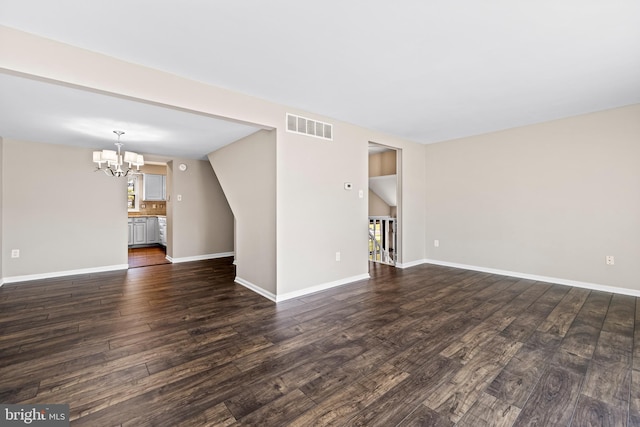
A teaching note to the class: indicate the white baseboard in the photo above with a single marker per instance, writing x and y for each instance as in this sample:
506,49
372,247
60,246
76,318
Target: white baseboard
302,292
29,277
410,263
255,288
321,287
200,257
546,279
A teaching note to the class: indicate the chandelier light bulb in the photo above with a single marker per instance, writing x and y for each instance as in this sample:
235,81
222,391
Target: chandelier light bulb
114,160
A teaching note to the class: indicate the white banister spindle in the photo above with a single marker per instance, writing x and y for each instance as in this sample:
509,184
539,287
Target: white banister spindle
382,240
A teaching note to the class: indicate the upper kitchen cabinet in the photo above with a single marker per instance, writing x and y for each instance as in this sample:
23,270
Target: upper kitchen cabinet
155,187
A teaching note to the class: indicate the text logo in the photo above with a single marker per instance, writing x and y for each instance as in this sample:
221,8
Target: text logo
34,415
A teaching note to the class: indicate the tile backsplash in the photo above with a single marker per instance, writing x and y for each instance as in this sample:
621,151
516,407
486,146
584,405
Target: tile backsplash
151,208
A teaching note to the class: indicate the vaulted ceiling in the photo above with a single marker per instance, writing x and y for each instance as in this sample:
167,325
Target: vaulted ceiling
426,71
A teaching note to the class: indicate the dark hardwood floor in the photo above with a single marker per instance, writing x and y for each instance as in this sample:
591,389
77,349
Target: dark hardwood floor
145,256
181,344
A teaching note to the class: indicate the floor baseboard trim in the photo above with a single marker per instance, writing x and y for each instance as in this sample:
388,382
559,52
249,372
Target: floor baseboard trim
295,294
546,279
321,287
29,277
200,257
255,288
410,263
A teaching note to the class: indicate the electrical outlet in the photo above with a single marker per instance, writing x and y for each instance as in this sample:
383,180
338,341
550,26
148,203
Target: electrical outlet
15,253
436,243
610,260
337,256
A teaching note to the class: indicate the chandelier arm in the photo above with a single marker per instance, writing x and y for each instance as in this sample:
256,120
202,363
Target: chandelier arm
114,167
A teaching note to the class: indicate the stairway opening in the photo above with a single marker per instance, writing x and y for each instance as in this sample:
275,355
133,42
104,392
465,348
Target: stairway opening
384,204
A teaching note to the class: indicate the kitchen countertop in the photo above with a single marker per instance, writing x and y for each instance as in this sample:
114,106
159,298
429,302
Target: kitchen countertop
145,216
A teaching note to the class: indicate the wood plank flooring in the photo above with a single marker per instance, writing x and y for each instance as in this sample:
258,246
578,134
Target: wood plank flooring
181,344
148,255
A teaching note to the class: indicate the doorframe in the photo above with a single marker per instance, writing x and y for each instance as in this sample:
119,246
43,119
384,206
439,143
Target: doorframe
399,221
166,164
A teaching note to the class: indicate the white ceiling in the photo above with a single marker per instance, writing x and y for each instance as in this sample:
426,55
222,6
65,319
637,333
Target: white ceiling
33,110
426,71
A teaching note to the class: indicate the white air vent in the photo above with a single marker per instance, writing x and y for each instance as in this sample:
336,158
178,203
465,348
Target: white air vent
297,124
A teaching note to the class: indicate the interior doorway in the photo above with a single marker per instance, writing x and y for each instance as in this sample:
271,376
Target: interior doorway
147,215
385,235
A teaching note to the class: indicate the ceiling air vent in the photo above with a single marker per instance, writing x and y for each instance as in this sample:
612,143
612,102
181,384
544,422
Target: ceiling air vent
297,124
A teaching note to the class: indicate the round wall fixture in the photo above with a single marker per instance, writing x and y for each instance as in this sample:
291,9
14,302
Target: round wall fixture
182,167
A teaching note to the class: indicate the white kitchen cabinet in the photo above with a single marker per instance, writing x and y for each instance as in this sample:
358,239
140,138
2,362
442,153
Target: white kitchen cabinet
139,231
146,230
130,230
155,187
162,230
152,230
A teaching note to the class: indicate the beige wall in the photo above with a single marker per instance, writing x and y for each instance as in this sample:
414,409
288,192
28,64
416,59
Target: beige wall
156,169
381,164
202,223
551,199
411,209
317,217
65,217
377,206
310,173
247,173
311,177
59,212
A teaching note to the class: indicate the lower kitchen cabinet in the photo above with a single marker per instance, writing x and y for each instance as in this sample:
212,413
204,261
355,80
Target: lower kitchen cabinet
139,231
162,230
144,231
152,230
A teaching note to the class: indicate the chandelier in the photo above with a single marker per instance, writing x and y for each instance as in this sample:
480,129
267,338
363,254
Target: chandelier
114,160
